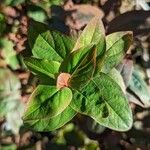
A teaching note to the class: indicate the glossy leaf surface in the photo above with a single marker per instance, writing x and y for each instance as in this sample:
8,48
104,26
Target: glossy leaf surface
51,123
117,45
48,44
42,67
93,33
103,100
47,101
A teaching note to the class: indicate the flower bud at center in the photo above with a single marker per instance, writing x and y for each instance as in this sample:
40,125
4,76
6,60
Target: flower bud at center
62,80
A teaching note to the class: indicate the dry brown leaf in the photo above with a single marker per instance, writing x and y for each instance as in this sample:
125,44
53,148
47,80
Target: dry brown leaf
136,21
80,15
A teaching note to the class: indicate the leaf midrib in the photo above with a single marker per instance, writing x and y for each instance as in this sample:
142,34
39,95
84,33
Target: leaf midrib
54,51
78,67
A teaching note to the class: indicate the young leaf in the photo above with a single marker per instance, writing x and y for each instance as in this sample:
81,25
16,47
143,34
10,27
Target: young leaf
48,44
103,100
42,67
62,80
139,88
81,65
84,71
116,46
47,101
51,123
94,33
74,59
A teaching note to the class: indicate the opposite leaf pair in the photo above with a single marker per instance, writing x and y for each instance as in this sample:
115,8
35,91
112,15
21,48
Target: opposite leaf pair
75,77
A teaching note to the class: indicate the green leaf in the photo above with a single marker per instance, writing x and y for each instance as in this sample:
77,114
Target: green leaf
37,13
8,146
9,54
116,76
81,65
75,58
51,123
84,71
35,30
2,23
103,100
9,91
94,33
48,44
13,2
138,87
42,67
117,45
56,2
47,101
10,102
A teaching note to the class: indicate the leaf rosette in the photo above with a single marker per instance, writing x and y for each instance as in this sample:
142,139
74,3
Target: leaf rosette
75,77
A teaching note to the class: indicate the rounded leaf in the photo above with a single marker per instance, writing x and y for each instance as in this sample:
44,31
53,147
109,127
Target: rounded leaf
47,101
51,123
103,100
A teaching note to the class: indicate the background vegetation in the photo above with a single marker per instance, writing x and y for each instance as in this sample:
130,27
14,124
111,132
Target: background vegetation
70,17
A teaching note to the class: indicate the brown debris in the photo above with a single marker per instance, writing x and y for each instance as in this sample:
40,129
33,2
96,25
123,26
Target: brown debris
80,15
